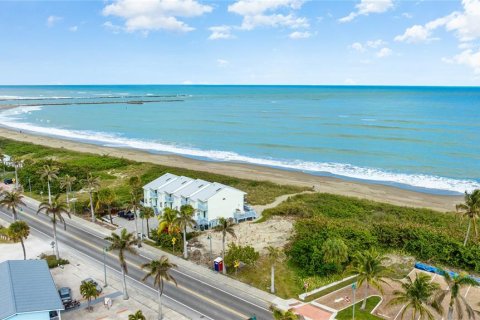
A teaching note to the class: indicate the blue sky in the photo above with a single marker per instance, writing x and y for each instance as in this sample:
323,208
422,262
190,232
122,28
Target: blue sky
385,42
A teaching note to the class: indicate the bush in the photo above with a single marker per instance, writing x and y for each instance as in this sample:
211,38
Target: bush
245,254
52,261
164,240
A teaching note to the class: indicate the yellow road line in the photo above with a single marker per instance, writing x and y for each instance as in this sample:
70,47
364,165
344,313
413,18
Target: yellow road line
138,266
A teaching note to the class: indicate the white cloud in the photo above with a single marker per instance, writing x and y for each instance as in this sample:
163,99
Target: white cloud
376,43
365,7
407,15
221,32
113,27
73,28
222,62
466,25
52,20
148,15
300,35
384,52
468,58
357,46
261,13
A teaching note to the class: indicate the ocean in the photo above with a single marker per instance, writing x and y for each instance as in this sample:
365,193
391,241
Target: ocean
421,138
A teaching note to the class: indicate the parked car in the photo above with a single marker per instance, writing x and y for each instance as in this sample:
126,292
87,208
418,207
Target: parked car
65,294
99,288
8,181
126,215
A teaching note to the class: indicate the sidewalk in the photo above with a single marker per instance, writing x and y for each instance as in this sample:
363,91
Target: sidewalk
210,277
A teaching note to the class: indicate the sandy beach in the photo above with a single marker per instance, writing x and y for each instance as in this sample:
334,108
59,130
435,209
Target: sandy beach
376,192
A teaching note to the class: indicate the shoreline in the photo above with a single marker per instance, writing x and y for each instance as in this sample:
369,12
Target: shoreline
364,190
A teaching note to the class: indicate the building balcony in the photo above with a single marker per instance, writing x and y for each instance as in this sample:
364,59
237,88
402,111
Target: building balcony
202,206
248,214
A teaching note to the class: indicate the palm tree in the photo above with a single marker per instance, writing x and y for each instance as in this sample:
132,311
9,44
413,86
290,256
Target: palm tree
184,220
368,267
137,316
274,255
66,182
11,200
17,232
106,197
417,296
88,290
457,301
147,213
225,226
135,192
91,184
159,270
335,251
16,164
470,210
56,208
123,243
49,173
167,221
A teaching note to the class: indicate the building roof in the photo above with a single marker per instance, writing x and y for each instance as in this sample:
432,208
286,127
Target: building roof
157,183
192,188
175,185
27,286
210,191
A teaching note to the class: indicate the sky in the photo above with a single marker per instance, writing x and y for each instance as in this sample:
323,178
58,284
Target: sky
362,42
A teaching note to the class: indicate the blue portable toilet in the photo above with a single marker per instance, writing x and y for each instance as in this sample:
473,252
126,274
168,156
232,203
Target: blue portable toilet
218,264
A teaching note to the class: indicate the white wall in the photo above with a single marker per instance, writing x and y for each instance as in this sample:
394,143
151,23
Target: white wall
224,203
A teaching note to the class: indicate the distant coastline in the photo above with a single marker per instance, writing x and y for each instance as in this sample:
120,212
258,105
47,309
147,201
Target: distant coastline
377,192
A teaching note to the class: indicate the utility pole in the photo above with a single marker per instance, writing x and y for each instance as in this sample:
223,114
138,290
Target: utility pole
105,266
354,287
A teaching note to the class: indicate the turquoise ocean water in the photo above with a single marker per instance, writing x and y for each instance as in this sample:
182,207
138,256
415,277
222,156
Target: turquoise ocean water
423,138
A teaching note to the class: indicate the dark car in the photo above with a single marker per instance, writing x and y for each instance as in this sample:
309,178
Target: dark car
65,294
8,181
126,215
99,288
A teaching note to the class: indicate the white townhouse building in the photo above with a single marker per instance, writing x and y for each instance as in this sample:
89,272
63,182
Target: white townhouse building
210,200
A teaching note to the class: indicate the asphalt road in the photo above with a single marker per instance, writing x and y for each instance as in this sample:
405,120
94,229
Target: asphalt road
194,297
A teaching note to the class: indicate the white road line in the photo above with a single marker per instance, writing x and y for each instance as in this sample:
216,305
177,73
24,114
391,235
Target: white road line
143,284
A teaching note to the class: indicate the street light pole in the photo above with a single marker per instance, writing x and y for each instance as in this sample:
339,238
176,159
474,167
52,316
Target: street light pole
105,266
209,237
354,286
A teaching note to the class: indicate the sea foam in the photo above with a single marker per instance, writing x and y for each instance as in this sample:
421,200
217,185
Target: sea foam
7,118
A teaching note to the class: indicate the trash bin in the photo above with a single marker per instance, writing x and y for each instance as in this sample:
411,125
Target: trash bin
218,264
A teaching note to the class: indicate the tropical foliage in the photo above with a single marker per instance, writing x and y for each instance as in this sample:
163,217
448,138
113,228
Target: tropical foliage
12,200
470,210
418,296
183,221
159,271
225,226
245,254
123,243
19,231
137,316
88,290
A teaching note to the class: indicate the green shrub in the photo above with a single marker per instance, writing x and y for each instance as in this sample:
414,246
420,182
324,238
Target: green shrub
245,254
52,261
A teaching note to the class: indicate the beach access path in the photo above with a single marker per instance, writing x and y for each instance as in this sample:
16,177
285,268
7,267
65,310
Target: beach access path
376,192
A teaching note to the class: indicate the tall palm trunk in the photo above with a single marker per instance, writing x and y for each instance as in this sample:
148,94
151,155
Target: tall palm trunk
23,247
364,303
148,230
125,293
160,311
136,227
16,177
223,255
272,279
110,214
450,311
68,199
57,255
49,193
15,218
91,207
468,233
185,253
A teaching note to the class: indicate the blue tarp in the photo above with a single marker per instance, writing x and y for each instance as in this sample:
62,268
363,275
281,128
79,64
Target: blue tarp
432,269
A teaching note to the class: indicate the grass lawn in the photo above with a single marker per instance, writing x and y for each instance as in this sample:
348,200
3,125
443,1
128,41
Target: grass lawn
346,314
115,172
